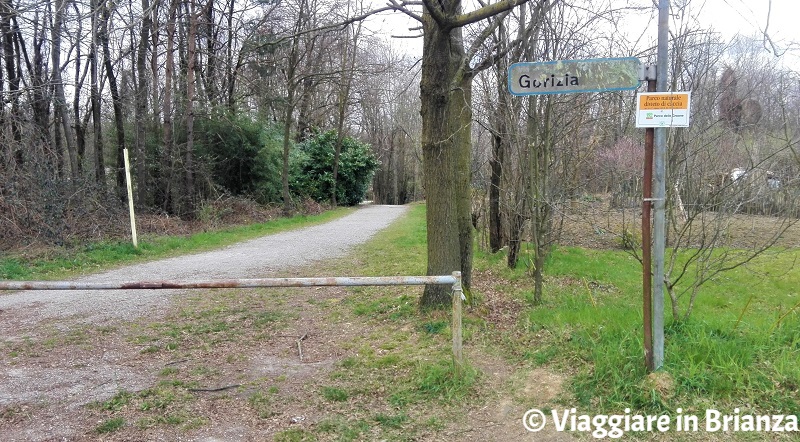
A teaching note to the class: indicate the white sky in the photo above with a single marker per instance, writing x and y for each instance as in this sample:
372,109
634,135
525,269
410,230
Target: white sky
752,17
729,17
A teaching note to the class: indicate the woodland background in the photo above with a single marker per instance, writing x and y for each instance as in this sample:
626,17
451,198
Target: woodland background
281,103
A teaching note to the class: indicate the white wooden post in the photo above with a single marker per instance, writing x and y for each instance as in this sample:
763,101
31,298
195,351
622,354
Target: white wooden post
458,353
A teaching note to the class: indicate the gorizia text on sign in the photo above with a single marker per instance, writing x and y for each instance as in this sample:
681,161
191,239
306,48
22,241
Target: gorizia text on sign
526,82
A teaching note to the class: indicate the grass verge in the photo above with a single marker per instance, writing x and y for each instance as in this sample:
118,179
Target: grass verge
733,352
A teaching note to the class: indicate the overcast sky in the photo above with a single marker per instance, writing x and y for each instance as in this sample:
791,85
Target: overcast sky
729,17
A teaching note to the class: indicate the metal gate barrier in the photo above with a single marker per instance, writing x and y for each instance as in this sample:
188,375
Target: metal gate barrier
453,280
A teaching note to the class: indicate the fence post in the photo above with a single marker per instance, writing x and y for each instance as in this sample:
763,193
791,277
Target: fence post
458,354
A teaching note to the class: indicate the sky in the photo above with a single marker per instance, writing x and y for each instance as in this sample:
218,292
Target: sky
729,17
750,17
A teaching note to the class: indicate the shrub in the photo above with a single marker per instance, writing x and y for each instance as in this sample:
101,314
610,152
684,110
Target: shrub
312,169
243,156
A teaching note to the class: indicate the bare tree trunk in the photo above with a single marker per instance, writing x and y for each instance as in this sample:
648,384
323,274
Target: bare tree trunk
59,98
446,121
499,145
293,82
99,158
344,95
541,142
287,133
143,186
230,72
190,91
80,126
116,100
157,181
167,157
9,56
211,32
40,102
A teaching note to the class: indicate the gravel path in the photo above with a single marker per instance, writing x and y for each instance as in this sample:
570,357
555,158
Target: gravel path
261,257
44,387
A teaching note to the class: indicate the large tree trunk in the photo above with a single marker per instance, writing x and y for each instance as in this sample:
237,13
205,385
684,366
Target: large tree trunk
446,121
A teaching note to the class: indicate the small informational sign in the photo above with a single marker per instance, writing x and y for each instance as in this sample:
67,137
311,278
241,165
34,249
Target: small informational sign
572,76
663,109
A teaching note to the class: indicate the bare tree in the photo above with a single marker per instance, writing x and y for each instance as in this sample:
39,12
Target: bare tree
191,55
446,92
97,124
347,69
727,169
140,100
59,98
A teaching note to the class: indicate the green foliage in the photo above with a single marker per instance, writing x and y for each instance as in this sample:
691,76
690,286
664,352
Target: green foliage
243,156
294,435
334,394
312,169
12,268
435,381
110,425
118,401
392,421
345,430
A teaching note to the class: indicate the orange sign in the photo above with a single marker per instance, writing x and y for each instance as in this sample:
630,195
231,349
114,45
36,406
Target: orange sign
676,100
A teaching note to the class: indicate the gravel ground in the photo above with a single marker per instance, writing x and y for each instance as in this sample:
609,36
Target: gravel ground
258,258
44,387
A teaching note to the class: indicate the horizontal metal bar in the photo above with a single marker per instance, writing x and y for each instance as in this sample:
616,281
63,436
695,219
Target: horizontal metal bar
234,283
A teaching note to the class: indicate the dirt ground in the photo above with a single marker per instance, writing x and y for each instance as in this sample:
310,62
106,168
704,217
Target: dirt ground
245,383
250,365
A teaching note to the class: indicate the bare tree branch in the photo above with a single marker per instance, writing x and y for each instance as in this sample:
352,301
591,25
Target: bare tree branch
486,12
403,7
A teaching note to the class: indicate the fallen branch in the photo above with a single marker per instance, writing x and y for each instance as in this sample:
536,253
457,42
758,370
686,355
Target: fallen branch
204,390
300,347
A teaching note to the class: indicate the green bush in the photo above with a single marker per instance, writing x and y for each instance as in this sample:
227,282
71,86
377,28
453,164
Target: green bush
311,172
243,156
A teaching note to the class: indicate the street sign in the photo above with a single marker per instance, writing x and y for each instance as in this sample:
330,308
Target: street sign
663,109
571,76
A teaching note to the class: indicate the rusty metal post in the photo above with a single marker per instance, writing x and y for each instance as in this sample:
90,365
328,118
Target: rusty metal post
230,283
